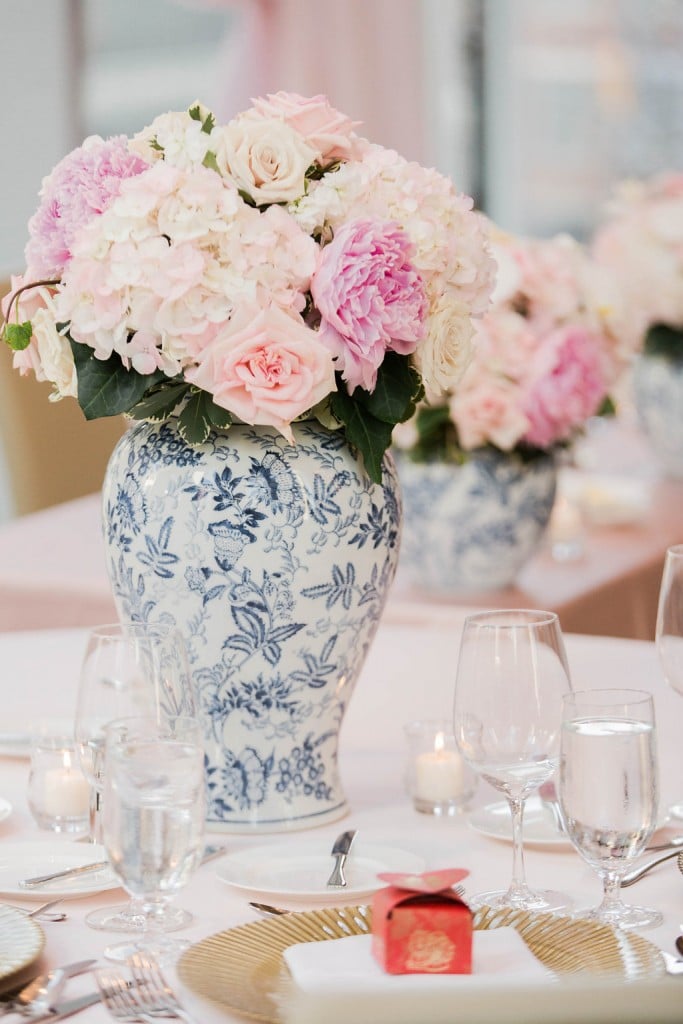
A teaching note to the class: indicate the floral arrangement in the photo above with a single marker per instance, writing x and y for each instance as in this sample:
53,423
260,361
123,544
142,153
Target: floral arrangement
276,267
640,246
544,360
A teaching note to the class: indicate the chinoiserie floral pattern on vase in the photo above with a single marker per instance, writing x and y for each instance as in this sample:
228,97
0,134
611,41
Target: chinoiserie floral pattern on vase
275,560
471,528
658,390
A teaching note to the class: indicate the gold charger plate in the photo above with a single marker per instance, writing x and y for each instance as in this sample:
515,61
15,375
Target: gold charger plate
21,942
242,969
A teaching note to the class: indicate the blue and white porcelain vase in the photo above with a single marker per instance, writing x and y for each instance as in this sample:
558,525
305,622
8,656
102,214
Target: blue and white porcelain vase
470,528
658,390
275,561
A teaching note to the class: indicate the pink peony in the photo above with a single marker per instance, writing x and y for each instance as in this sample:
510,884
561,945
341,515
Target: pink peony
370,297
568,385
80,187
325,130
266,367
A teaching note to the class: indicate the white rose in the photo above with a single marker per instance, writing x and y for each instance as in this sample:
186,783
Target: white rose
55,355
266,159
444,355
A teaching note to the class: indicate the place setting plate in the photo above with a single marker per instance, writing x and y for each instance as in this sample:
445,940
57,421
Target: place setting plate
19,860
21,943
242,969
298,872
494,820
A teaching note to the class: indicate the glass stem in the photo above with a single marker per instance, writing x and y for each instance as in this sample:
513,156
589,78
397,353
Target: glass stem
518,885
94,816
611,891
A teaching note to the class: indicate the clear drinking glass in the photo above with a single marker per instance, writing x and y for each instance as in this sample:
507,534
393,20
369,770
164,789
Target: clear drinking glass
669,630
608,790
128,669
153,820
511,677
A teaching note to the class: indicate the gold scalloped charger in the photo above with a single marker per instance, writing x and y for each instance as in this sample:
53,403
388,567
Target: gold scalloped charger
242,969
22,941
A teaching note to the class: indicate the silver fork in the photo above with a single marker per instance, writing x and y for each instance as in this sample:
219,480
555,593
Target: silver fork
152,991
128,1002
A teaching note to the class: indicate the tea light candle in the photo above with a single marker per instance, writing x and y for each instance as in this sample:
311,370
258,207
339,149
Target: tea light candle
58,792
438,773
66,793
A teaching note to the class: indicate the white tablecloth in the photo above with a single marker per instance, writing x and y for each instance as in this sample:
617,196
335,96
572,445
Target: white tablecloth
409,674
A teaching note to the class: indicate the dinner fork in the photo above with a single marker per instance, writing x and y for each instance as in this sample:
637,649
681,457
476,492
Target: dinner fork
149,997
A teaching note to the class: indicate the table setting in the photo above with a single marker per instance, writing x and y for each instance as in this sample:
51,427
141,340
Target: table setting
263,895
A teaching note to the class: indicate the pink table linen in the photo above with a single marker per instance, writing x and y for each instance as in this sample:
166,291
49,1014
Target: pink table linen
409,674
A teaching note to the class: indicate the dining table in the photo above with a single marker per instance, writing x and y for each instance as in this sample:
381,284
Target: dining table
408,675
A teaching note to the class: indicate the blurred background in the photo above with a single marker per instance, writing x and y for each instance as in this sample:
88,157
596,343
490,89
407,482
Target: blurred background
534,107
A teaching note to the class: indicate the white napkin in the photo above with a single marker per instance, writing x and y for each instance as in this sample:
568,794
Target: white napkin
499,956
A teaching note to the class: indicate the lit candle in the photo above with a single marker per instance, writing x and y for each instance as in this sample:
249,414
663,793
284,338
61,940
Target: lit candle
66,793
438,774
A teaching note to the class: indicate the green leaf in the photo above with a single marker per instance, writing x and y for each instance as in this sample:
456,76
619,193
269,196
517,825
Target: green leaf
607,407
199,415
396,393
662,340
18,336
105,386
160,401
371,436
210,161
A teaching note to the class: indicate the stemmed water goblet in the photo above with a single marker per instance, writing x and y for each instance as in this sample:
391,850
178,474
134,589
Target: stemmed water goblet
128,669
153,820
608,790
669,629
512,674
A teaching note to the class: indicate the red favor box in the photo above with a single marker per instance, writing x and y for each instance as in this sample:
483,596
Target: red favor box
421,926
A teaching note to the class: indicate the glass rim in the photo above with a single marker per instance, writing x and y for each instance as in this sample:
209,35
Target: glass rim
518,617
110,629
676,550
608,697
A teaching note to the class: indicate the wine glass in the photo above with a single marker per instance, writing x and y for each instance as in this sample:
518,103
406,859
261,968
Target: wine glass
128,668
512,673
608,790
153,820
669,629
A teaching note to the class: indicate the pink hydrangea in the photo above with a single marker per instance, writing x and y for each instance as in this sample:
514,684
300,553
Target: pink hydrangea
80,187
370,298
568,386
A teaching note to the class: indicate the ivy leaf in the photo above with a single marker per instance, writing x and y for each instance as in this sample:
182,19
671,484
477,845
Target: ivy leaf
105,386
370,435
160,401
198,417
18,336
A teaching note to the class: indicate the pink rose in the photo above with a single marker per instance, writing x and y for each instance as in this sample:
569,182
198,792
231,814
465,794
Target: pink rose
370,297
487,411
568,385
266,368
325,130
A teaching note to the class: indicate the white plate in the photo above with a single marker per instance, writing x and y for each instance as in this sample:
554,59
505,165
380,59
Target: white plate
5,809
15,744
24,860
539,828
299,871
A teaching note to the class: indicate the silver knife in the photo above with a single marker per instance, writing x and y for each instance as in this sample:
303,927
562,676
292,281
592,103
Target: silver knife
340,852
66,1008
30,883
